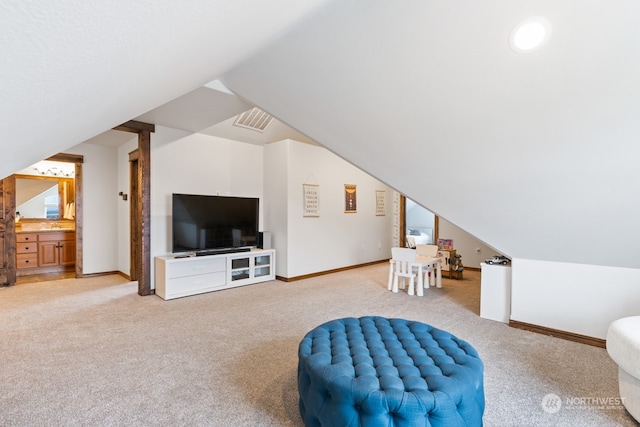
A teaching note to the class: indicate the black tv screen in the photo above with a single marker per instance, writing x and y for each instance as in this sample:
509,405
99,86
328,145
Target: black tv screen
204,224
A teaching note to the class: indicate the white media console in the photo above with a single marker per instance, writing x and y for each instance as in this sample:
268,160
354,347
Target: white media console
179,276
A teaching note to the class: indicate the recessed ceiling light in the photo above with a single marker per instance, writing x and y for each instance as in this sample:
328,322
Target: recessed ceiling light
530,34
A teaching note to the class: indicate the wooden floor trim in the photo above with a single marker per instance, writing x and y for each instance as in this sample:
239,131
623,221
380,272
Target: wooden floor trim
106,273
569,336
322,273
337,270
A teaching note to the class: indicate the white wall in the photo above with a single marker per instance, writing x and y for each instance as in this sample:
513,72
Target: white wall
221,166
123,206
99,207
578,298
226,167
197,164
465,244
276,206
335,239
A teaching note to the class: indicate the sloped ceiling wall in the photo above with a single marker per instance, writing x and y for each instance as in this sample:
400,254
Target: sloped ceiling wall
73,69
535,154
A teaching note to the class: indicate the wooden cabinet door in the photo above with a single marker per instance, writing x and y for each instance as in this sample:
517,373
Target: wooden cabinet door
48,254
68,252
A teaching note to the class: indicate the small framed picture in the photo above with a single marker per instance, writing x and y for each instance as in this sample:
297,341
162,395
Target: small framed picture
350,205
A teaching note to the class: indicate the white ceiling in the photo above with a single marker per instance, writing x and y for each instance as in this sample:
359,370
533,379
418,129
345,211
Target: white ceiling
535,154
426,96
73,69
207,111
212,112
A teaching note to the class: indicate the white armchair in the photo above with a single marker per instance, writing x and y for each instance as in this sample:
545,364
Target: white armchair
623,345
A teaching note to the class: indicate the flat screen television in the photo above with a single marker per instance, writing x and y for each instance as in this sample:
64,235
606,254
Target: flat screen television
213,224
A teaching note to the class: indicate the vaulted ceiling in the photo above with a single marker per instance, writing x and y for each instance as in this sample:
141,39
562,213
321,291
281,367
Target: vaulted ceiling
71,70
533,153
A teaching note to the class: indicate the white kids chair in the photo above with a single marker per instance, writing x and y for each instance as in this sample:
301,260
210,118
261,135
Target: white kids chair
401,267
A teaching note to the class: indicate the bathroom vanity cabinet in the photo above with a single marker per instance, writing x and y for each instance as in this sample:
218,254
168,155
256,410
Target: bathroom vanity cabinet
45,252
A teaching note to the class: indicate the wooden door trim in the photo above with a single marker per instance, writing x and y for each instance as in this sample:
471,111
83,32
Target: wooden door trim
403,221
78,160
134,233
8,226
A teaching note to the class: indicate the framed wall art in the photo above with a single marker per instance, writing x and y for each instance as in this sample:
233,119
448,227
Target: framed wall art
350,205
311,200
445,244
380,202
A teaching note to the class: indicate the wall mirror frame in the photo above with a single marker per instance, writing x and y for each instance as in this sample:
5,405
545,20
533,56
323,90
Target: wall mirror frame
403,226
45,198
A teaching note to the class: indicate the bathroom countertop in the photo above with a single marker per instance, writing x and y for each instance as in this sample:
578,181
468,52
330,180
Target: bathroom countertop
43,230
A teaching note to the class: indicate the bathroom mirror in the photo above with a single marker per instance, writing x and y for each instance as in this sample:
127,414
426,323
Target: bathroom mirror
44,197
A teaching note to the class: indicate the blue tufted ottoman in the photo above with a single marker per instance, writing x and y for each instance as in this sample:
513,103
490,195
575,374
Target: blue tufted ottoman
374,371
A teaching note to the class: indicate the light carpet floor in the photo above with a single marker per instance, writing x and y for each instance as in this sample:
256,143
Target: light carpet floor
85,352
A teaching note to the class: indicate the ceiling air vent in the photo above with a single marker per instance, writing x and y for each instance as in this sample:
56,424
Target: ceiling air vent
254,119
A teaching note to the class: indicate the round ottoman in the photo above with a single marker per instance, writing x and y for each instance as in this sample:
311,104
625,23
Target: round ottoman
373,371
